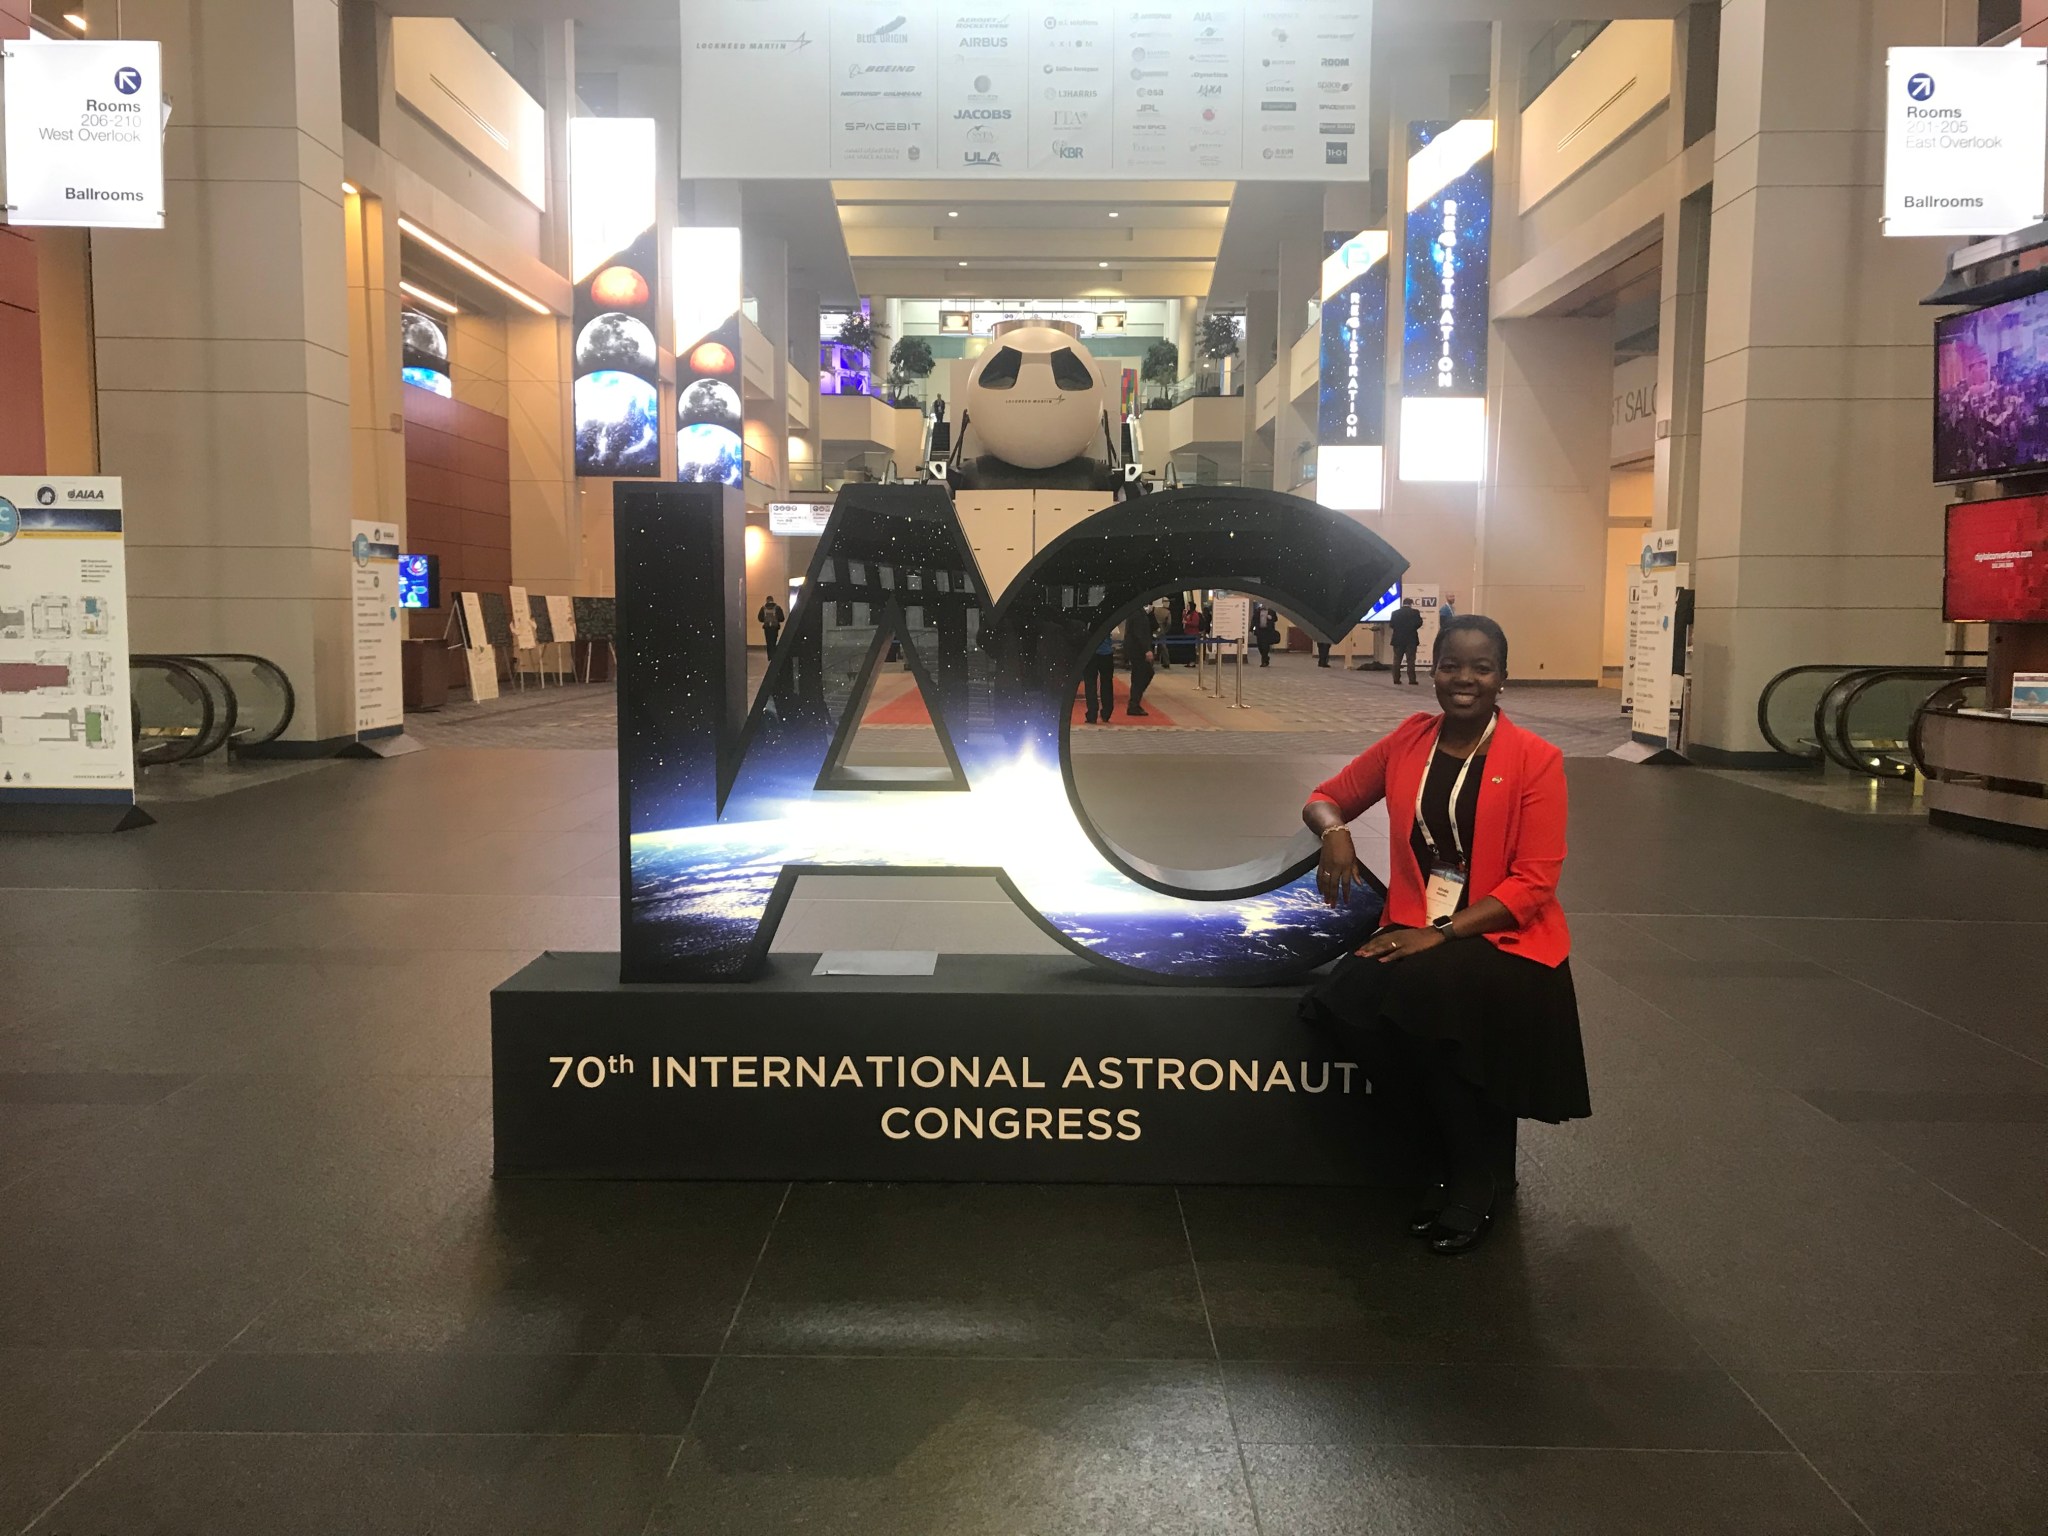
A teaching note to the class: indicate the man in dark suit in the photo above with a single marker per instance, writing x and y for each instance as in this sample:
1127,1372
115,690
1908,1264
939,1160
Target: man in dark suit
1138,632
1406,632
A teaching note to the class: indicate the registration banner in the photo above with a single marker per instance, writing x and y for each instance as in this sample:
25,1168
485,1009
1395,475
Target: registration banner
65,725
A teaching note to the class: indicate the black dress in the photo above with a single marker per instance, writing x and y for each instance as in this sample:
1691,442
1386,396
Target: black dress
1510,1023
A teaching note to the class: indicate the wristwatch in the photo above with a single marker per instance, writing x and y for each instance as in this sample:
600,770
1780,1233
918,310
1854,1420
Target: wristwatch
1443,926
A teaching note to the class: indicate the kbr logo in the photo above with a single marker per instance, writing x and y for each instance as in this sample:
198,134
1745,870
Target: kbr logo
1921,87
127,80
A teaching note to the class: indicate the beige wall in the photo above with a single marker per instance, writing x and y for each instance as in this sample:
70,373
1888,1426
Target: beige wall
376,408
64,313
1819,534
1631,509
546,541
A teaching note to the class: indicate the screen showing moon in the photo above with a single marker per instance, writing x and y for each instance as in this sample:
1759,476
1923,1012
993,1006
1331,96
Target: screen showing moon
616,341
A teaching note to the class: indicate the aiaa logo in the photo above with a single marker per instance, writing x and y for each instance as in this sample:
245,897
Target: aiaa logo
128,80
1921,87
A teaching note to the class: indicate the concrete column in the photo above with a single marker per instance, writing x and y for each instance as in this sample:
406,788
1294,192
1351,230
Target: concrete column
376,416
1186,325
1260,459
21,380
1300,276
1681,366
803,357
224,352
547,543
1819,534
1543,517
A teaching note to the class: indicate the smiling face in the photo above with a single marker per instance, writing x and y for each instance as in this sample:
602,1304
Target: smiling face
1468,675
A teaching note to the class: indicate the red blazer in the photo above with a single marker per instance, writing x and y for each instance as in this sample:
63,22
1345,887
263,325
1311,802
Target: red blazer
1517,835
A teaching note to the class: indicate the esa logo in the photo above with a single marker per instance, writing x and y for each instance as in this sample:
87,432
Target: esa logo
127,80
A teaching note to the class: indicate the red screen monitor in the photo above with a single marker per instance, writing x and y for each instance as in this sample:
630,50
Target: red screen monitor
1996,569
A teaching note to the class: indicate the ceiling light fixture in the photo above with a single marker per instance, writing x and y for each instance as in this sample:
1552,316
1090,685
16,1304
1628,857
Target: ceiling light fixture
1112,213
963,263
350,189
1102,263
75,19
952,213
441,247
431,300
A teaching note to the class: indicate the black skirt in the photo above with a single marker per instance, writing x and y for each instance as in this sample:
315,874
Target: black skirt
1511,1024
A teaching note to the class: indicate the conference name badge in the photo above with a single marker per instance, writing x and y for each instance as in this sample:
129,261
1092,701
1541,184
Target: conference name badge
1446,888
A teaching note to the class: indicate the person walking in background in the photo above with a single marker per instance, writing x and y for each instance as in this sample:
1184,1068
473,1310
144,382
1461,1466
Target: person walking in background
1268,635
1322,653
1098,682
1138,631
1406,628
1164,627
771,619
1445,612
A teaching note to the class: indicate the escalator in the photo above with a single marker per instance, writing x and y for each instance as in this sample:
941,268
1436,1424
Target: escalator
1861,719
189,707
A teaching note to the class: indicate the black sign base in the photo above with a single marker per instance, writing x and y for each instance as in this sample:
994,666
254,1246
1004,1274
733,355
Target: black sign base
996,1068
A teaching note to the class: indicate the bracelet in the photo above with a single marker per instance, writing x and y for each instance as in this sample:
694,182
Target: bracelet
1328,830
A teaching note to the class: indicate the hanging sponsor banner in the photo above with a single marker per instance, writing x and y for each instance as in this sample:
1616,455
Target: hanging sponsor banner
708,293
65,726
1966,140
1352,411
615,269
1080,88
85,134
1447,297
373,578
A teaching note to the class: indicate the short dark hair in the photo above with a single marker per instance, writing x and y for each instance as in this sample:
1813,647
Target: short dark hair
1479,623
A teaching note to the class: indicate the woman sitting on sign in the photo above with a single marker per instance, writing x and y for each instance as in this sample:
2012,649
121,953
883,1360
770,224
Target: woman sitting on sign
1467,990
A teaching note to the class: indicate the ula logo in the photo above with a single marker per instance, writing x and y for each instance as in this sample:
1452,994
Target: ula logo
127,80
1921,87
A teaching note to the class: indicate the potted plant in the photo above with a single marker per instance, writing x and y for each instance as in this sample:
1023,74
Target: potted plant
1218,344
858,332
910,361
1161,369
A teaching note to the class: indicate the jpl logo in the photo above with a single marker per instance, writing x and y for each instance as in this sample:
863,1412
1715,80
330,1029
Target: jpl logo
1921,87
128,80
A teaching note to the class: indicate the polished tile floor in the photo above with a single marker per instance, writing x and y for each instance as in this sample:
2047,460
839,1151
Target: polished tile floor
255,1278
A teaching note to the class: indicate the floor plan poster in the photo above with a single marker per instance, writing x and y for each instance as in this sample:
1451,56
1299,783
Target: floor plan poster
65,731
380,697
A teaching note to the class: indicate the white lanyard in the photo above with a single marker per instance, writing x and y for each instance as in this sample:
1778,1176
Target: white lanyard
1457,789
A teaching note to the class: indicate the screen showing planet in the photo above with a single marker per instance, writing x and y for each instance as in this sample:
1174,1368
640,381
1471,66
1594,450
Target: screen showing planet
710,454
429,378
617,425
619,341
713,357
619,288
425,343
709,400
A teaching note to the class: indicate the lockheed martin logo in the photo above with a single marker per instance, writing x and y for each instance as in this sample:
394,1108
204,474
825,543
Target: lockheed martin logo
795,44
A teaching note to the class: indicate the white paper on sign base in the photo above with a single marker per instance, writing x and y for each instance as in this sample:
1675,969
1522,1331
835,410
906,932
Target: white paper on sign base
84,134
1966,140
877,962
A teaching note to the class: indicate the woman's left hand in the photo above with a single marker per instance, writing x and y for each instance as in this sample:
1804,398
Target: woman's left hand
1399,944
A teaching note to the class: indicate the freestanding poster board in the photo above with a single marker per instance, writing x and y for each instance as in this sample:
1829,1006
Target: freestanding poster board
67,750
477,652
380,700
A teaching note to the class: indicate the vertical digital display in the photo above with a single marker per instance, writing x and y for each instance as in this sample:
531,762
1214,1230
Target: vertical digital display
1447,298
1352,394
419,581
423,352
708,291
614,262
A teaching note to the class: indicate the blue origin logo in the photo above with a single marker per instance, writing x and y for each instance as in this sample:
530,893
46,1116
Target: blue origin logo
1921,87
127,80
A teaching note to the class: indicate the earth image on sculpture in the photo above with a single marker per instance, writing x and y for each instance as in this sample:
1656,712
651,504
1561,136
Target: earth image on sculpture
710,401
709,454
617,341
617,424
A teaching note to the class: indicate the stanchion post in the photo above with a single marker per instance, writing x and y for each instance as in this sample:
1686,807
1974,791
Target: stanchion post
1240,704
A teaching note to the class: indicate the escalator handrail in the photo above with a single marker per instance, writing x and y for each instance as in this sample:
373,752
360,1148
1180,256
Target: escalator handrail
1763,706
284,683
1933,704
206,713
224,719
1834,732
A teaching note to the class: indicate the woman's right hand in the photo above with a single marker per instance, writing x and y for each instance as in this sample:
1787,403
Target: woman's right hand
1337,872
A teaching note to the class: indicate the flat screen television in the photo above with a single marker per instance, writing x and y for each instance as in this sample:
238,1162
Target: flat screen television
1995,568
419,581
1991,391
1383,610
